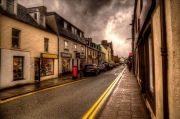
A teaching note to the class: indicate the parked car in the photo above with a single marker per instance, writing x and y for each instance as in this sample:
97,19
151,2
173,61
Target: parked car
90,69
102,67
108,65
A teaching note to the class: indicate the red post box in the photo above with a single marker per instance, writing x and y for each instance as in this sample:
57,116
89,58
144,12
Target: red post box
74,72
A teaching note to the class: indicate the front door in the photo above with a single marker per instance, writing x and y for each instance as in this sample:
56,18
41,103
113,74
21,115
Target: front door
37,69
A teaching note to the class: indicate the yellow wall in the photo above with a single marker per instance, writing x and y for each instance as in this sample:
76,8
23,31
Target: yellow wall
31,39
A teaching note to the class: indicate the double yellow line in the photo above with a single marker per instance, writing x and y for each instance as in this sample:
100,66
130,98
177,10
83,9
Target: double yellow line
94,109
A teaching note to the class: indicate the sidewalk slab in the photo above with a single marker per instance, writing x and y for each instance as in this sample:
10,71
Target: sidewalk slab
126,101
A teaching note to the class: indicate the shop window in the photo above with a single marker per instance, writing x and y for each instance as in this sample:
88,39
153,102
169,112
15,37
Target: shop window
65,44
46,41
17,67
10,6
75,47
65,65
15,38
47,67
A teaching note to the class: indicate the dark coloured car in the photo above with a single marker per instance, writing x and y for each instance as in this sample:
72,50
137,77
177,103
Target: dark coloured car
108,65
102,67
91,69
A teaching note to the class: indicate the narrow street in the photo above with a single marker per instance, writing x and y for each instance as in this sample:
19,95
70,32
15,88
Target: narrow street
67,102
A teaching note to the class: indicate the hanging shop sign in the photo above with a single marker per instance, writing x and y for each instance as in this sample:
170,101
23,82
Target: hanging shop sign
66,55
46,55
145,10
82,57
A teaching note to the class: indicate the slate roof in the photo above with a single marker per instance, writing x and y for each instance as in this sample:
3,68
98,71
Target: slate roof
66,33
23,16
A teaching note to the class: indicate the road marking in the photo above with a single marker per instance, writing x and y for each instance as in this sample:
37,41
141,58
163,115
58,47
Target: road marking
98,104
38,91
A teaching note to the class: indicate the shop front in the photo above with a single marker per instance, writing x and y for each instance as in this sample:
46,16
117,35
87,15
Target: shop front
82,61
65,63
45,66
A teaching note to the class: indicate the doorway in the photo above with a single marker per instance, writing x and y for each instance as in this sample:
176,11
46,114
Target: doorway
37,69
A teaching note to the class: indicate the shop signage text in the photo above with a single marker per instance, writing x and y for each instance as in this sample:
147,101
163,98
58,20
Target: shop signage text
45,55
66,55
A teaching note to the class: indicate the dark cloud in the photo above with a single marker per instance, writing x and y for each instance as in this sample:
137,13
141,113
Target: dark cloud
99,19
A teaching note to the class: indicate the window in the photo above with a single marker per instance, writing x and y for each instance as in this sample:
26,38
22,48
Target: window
82,48
65,25
80,35
17,67
10,6
65,44
0,2
41,19
15,38
47,67
35,16
75,31
75,47
151,86
46,41
72,30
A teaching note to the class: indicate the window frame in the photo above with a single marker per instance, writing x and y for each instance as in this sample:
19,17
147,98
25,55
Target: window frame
65,25
10,3
66,46
16,37
22,70
46,44
75,47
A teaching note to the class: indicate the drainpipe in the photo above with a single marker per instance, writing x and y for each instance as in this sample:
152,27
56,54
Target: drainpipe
164,59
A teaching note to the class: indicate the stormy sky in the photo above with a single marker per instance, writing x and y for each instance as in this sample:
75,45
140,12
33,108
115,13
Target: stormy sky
99,19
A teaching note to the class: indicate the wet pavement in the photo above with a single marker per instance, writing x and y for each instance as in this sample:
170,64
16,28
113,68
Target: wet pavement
126,101
23,89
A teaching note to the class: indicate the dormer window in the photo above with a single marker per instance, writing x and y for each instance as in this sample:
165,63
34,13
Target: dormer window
41,19
35,16
80,34
10,6
65,25
73,29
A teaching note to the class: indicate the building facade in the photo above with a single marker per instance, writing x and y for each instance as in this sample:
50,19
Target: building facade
71,43
28,49
93,52
156,49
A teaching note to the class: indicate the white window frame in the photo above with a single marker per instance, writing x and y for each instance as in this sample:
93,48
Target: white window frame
66,45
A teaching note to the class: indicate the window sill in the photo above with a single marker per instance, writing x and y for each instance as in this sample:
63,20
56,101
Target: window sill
17,79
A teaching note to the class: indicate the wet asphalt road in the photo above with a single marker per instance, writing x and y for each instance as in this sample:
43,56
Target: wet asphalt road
67,102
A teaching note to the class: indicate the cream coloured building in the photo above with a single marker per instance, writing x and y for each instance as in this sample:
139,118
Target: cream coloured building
28,48
71,43
107,52
156,33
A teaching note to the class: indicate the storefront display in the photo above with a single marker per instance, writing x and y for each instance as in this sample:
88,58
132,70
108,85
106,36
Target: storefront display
65,65
17,67
46,67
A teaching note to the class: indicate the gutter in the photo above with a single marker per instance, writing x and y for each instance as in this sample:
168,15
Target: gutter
164,59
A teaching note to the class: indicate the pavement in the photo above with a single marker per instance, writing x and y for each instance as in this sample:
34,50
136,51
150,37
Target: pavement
125,102
27,88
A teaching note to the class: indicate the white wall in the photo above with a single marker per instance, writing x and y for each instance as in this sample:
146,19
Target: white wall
6,77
